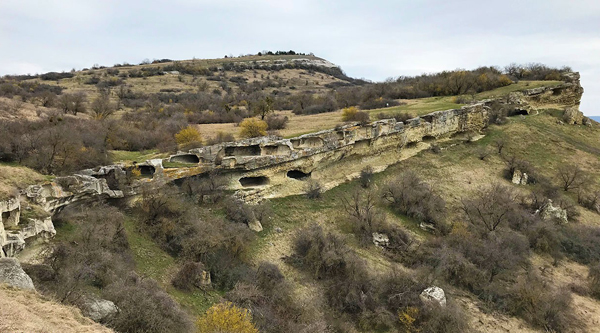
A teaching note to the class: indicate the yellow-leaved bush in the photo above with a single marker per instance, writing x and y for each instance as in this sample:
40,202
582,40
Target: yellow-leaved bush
188,136
252,128
349,114
226,317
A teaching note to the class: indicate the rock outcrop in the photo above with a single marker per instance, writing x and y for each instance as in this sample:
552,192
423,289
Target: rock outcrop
550,212
99,310
12,274
519,178
270,167
434,295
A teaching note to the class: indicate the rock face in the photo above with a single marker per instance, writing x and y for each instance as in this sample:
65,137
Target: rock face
519,178
381,240
550,212
434,295
99,310
17,227
573,116
12,274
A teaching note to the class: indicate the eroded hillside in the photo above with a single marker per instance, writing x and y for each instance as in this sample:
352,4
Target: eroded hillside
462,213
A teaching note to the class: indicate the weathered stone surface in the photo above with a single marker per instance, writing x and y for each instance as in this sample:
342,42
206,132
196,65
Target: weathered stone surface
550,212
255,226
573,116
381,240
99,310
434,295
12,274
519,178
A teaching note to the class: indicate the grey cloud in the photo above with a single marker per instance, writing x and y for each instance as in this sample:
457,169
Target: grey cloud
374,40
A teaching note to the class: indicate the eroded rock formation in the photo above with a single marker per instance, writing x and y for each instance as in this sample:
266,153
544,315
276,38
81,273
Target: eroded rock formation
268,167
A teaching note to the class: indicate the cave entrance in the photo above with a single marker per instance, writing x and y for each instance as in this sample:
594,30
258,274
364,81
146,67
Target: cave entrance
146,170
5,216
253,150
189,158
254,181
518,112
297,174
428,138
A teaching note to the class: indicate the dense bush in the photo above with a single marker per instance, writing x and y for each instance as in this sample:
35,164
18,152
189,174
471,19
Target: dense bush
252,127
276,122
144,307
409,195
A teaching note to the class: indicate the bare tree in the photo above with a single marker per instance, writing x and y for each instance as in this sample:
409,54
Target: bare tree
102,107
571,176
490,208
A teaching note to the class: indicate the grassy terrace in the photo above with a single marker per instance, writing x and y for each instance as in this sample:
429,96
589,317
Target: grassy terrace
303,124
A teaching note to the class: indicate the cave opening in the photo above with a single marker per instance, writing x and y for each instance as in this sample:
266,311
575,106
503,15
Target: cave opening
297,174
253,150
5,216
254,181
428,138
146,170
518,112
188,158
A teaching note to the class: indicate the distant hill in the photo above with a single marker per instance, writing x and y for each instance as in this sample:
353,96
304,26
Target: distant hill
595,118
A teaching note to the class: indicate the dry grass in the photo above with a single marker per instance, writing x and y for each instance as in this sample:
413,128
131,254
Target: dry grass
13,178
27,312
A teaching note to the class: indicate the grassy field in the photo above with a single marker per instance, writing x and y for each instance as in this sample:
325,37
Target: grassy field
303,124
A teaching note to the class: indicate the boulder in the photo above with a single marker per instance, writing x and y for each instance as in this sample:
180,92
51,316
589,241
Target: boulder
434,295
519,178
12,274
381,240
549,212
99,310
255,226
573,116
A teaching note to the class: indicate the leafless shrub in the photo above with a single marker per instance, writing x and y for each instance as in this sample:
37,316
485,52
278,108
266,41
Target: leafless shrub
189,276
491,208
364,216
483,153
571,176
409,195
313,189
144,307
276,122
366,176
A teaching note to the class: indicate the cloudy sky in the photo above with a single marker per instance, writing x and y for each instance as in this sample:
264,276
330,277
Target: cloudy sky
373,39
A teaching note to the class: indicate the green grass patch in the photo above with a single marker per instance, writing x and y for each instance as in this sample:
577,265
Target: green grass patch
151,261
421,106
135,156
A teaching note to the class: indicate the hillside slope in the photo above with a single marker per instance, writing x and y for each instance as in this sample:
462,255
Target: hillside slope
26,311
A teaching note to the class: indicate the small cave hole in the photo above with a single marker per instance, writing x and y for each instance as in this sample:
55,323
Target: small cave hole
5,216
297,174
254,181
147,170
518,112
411,145
189,158
428,138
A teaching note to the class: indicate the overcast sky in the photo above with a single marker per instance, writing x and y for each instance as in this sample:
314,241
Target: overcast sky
373,39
